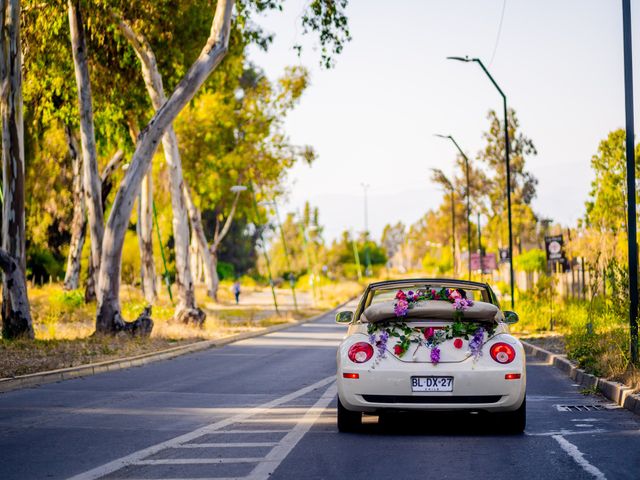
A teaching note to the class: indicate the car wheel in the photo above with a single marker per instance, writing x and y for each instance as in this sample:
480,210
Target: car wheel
348,421
514,422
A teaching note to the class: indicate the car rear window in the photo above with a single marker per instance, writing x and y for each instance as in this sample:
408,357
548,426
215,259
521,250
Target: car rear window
477,294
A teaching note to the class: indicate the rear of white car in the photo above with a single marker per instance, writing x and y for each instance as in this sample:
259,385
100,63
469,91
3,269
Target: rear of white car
372,381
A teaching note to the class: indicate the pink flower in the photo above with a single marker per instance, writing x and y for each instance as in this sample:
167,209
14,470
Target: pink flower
401,295
398,350
454,294
428,332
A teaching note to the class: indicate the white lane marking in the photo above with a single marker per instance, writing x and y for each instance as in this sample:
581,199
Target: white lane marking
585,420
119,463
222,432
578,457
584,425
227,445
193,461
565,432
271,462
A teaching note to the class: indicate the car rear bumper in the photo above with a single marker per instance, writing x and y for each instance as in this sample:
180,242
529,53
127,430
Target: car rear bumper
475,387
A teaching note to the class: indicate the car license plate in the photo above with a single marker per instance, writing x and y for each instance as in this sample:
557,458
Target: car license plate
431,384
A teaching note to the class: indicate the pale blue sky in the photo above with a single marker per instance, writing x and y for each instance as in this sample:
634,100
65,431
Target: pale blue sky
371,118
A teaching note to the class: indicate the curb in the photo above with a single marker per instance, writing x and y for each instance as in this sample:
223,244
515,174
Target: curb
616,392
52,376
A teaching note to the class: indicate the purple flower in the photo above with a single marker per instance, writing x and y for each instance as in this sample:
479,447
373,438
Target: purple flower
372,338
462,303
476,343
400,308
381,344
435,355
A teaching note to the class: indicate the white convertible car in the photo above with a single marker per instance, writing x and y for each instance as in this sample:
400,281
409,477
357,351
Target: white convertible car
430,345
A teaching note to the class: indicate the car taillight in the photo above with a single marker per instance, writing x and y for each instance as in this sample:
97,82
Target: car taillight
503,353
360,352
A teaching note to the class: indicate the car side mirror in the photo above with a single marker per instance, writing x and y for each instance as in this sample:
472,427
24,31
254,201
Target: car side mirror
344,317
510,317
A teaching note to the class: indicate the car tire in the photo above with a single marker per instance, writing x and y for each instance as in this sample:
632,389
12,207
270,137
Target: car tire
514,422
348,421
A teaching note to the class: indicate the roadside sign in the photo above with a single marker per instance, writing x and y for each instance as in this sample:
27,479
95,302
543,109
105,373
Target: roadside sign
488,262
554,248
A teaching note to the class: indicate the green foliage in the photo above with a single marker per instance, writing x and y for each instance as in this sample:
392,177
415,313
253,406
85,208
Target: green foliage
131,259
534,260
606,207
225,270
43,265
72,298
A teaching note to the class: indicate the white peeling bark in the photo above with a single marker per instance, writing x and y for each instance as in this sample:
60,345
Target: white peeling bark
108,316
79,222
16,301
92,184
106,185
210,273
16,317
144,229
155,89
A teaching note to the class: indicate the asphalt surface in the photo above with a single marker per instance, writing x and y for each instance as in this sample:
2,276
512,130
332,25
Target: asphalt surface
265,408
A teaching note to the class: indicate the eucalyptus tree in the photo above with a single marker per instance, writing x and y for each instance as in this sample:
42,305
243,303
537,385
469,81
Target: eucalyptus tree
243,143
523,183
16,316
326,17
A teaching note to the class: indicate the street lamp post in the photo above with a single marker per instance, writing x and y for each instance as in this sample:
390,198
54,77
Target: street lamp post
507,164
264,249
292,282
466,164
631,182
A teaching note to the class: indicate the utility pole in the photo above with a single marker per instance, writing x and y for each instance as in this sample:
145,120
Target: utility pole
632,244
367,256
507,148
468,195
264,249
480,246
292,280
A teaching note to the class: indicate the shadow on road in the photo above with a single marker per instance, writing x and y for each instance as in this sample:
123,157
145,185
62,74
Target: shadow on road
435,423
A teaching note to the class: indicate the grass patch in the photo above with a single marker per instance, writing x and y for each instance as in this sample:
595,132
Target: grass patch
63,325
594,334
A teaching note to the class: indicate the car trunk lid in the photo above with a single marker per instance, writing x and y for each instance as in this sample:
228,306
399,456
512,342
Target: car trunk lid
453,350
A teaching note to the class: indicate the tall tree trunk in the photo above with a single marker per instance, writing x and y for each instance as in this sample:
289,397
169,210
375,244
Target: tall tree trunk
18,324
108,318
92,186
145,239
144,228
218,236
210,273
79,222
16,317
106,185
186,309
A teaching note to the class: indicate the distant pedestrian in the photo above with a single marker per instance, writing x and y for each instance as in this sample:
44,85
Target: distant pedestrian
236,291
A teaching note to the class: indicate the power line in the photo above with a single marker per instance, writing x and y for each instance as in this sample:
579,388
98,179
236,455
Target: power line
495,46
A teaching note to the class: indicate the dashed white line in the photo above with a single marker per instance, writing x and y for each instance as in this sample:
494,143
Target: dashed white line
196,461
134,457
269,464
578,457
227,445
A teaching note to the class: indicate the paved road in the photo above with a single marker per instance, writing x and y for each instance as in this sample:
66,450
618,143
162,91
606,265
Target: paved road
265,408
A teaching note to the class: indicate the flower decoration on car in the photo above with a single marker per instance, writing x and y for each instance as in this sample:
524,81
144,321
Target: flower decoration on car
429,337
406,301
